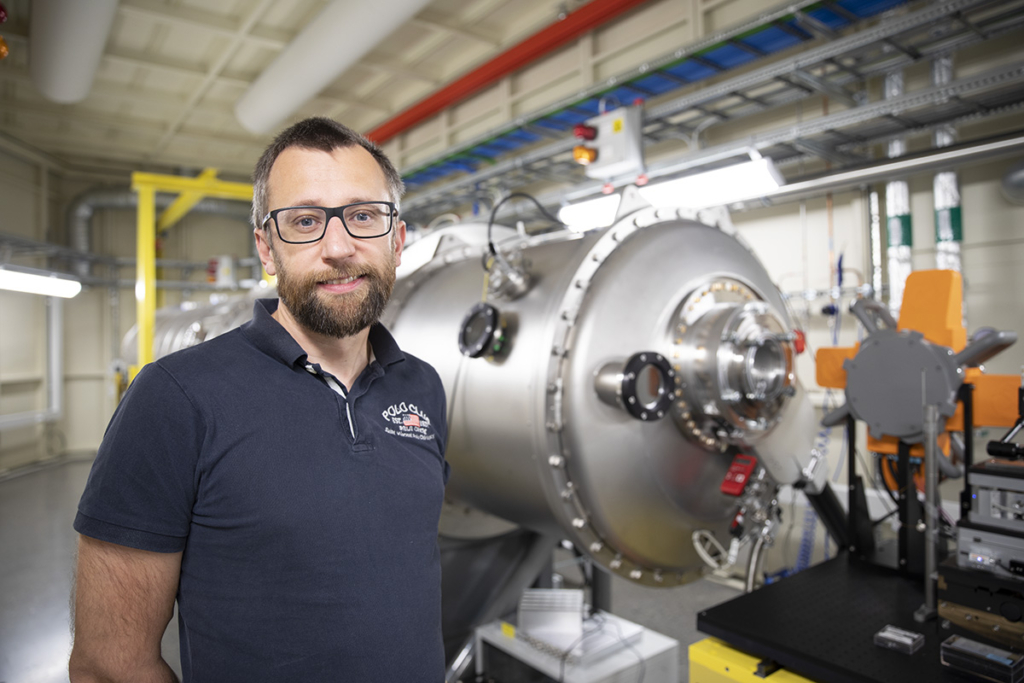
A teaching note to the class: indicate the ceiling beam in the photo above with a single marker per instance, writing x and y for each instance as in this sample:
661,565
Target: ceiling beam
215,69
109,124
84,153
110,91
191,19
144,60
400,71
447,27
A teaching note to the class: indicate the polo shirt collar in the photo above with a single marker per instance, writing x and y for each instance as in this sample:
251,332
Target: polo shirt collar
269,336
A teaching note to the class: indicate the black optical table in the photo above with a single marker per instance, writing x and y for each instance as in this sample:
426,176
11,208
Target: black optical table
820,623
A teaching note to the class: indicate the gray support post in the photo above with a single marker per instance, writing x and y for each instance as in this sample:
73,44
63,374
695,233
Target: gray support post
928,611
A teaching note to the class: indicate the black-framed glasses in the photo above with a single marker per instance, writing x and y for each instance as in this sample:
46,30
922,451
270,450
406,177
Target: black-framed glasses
306,224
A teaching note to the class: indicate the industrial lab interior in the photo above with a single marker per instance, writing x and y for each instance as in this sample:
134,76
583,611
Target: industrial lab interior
724,296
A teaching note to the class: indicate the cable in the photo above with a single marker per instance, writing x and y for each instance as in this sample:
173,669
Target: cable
600,624
629,646
599,620
494,212
451,400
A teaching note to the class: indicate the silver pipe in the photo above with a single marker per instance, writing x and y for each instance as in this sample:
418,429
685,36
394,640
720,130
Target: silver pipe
957,155
875,238
83,207
27,419
905,166
931,513
55,356
946,193
178,285
54,373
753,563
897,211
461,662
114,300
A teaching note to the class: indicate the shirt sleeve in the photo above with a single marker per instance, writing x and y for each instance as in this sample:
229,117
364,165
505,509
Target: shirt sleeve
142,486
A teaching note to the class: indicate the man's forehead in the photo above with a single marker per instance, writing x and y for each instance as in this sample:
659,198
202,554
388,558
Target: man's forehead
353,163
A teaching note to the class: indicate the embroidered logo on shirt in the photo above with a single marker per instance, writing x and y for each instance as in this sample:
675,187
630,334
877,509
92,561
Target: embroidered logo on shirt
405,419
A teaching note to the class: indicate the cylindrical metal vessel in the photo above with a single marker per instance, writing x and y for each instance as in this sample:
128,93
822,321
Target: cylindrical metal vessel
532,439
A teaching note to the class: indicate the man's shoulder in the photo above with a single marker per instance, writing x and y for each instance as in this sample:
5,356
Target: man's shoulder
225,350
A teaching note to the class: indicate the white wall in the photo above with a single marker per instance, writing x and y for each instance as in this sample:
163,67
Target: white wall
25,203
91,342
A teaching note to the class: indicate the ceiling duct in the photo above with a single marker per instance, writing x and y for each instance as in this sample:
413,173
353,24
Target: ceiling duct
335,40
66,41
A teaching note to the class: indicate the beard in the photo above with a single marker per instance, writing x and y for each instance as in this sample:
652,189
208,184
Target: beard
337,315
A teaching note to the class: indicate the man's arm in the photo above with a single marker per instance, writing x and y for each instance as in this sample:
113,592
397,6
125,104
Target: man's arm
123,600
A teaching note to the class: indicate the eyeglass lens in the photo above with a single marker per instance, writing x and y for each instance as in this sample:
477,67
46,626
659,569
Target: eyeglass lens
304,223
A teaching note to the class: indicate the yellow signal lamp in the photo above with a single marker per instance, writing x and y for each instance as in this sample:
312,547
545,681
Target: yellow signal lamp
584,155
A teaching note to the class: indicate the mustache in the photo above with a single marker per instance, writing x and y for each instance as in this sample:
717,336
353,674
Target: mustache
317,277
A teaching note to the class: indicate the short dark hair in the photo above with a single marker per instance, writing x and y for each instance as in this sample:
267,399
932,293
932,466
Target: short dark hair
323,134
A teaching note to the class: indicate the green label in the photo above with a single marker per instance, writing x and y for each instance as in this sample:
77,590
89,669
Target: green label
900,232
949,225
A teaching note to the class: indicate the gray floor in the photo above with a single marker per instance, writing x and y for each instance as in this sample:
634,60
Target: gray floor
37,553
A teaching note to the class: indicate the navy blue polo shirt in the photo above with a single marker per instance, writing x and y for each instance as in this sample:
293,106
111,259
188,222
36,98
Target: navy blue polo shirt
309,541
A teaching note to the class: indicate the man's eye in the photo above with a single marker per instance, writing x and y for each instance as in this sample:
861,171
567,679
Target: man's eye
304,221
362,216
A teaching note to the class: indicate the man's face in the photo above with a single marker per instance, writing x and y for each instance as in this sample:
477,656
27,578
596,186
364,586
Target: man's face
339,285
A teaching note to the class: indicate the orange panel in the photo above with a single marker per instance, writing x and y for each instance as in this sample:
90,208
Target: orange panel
995,401
932,305
889,445
828,363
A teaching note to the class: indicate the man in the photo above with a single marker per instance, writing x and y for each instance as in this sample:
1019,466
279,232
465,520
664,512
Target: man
282,481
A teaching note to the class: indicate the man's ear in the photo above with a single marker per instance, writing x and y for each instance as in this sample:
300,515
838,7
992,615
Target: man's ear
265,250
399,242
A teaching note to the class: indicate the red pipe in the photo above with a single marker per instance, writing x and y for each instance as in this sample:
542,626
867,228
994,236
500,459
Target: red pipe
588,17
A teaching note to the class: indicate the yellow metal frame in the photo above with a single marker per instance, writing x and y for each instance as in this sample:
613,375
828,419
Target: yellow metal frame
190,192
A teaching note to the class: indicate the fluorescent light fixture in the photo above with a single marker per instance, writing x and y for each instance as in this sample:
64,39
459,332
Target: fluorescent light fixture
38,282
589,214
747,180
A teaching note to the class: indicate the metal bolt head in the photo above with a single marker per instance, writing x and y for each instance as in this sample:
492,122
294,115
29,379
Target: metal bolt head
596,547
636,574
556,460
579,522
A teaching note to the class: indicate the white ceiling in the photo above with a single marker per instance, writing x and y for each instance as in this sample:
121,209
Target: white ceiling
172,70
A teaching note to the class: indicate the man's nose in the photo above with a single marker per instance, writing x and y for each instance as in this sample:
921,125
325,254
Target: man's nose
337,243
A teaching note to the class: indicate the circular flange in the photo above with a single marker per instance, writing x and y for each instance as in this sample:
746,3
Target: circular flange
477,331
734,364
639,396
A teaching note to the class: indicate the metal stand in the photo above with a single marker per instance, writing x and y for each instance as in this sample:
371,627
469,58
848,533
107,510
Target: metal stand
966,397
859,530
911,546
931,513
600,589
